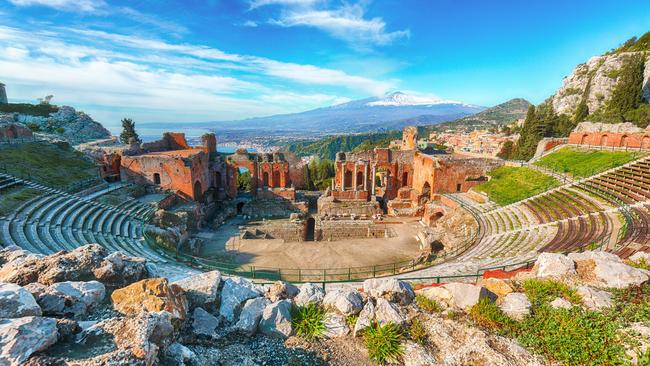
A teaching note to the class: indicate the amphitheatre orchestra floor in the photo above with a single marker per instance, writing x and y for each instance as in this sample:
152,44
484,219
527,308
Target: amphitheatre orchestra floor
316,254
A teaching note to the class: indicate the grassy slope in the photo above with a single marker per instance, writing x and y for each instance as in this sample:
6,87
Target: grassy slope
510,184
582,163
52,165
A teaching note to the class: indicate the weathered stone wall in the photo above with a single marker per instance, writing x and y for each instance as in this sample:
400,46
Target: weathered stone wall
330,206
10,131
170,141
549,143
610,135
409,138
331,230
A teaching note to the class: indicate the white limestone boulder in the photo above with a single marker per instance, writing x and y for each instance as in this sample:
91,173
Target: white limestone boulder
607,270
439,294
335,325
234,294
203,323
515,305
250,316
554,265
560,303
387,312
21,337
365,319
16,302
346,301
201,289
276,320
465,295
390,289
309,293
280,290
594,299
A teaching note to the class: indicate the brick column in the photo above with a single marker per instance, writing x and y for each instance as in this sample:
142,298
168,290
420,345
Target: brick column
373,177
354,176
365,176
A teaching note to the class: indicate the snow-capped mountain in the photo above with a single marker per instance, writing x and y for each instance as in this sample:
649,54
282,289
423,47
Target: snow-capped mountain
399,99
391,111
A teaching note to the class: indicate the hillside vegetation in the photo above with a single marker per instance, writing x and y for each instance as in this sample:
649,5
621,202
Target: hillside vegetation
53,165
511,184
499,115
42,110
327,147
581,163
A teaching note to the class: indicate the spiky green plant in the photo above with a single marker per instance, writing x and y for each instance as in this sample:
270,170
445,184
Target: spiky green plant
308,321
384,343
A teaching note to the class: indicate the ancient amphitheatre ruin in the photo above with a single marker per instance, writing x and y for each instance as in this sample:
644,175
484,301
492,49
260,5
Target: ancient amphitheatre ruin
387,212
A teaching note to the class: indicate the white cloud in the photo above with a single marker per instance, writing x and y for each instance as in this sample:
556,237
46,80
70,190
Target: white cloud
249,23
65,5
257,3
152,80
346,22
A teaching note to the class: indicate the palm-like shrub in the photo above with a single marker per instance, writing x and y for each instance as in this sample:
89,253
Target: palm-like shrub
308,321
384,342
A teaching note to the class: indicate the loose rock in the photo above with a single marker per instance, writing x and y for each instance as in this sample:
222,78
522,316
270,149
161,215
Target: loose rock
20,337
346,301
153,295
16,302
276,320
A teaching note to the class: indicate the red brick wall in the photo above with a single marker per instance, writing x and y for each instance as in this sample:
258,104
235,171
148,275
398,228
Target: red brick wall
609,139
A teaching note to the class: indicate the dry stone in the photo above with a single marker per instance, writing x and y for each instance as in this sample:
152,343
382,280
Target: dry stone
309,293
346,301
201,289
251,314
560,303
17,302
497,286
389,288
276,320
21,337
152,295
335,325
280,291
553,265
234,294
465,295
387,312
204,323
594,299
439,294
607,270
365,319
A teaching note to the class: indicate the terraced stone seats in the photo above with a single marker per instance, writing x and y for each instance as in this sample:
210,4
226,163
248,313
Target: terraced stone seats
58,221
6,183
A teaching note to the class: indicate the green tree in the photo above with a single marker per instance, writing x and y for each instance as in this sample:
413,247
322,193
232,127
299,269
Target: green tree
506,150
628,92
531,132
128,131
244,181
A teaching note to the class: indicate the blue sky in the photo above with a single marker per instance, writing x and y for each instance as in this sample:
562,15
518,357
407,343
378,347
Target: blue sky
188,61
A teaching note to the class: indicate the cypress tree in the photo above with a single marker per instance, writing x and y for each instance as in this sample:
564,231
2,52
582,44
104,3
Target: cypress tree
128,131
628,93
529,136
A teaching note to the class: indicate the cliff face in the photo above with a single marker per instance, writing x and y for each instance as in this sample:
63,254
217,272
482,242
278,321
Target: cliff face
74,126
600,74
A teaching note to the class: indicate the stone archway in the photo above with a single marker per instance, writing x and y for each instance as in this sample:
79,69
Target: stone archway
425,193
359,179
625,140
583,139
405,179
310,229
198,191
265,179
604,140
276,179
348,179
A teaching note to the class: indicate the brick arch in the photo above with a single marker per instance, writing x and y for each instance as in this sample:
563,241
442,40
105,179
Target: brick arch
645,142
583,139
625,140
604,140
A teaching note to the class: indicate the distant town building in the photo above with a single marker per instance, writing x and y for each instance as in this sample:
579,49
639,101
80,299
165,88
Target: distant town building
479,142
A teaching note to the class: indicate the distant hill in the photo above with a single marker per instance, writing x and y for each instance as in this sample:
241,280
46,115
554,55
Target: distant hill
392,111
499,115
326,148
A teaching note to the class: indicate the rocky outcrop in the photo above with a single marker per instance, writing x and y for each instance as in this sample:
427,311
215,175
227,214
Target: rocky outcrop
345,301
251,314
390,289
202,289
601,74
516,305
16,302
309,293
86,263
72,299
74,126
151,295
233,296
204,323
606,270
21,337
553,265
276,320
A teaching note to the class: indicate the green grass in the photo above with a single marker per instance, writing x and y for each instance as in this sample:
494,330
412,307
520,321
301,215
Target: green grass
308,321
11,199
426,304
512,184
581,163
384,343
487,314
541,292
54,165
417,333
